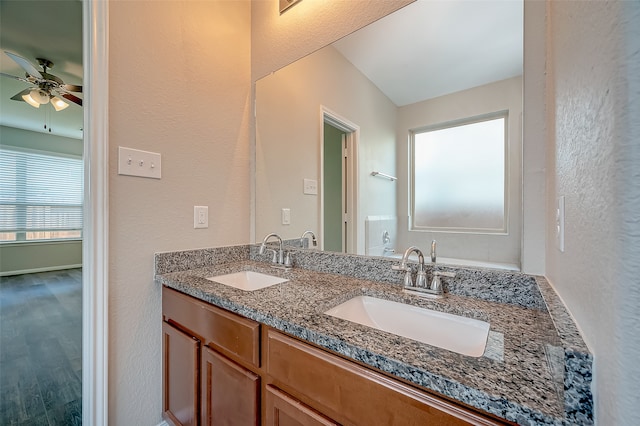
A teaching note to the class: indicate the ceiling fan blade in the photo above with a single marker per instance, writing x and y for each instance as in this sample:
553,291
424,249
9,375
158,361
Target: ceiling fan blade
72,88
26,65
18,97
72,98
15,77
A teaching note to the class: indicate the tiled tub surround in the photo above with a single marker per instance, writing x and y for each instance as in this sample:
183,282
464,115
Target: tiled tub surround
536,368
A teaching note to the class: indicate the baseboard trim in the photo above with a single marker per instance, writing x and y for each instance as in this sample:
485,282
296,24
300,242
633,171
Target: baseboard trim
36,270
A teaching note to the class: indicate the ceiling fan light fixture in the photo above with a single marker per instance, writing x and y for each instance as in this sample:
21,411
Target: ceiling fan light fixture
58,103
40,96
28,99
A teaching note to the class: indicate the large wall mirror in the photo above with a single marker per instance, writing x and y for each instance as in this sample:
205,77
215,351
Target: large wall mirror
335,145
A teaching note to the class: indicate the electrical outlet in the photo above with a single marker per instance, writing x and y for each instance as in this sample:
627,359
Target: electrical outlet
286,216
200,217
560,223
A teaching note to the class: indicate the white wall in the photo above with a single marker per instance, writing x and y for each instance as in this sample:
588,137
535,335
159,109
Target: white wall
288,127
593,160
180,84
493,97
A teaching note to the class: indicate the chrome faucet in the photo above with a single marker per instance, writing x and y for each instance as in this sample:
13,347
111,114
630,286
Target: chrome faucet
278,257
421,278
434,289
314,242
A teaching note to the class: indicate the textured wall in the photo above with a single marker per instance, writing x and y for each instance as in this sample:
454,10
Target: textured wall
594,107
179,85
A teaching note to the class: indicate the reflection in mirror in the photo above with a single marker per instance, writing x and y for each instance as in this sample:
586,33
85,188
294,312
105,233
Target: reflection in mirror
430,63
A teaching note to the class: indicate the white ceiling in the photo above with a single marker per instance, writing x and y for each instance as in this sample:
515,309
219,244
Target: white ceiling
41,29
434,47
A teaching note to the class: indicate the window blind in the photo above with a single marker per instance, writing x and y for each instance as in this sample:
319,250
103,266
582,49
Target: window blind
40,192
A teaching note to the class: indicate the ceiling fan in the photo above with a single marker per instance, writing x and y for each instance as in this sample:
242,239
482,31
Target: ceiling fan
46,87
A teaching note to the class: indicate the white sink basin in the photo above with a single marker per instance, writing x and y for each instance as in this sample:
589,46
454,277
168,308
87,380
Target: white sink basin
463,335
248,280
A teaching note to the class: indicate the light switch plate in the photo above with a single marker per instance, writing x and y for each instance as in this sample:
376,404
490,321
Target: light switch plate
310,186
286,216
200,217
134,162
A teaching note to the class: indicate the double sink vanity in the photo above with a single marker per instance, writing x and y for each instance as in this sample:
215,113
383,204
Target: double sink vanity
336,340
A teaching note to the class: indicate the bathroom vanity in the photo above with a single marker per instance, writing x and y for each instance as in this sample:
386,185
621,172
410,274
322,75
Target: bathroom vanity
247,372
273,357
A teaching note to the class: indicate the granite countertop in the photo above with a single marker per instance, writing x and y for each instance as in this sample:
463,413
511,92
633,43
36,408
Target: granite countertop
535,370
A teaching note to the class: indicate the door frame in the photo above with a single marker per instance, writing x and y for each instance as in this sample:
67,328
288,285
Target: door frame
352,131
95,247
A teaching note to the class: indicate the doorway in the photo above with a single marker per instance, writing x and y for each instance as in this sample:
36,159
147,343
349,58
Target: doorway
41,291
334,189
339,183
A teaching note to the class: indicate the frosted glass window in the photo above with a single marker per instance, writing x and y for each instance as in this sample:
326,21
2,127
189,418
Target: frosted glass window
459,177
41,196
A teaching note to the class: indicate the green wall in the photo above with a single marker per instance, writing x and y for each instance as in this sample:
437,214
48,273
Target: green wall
332,188
40,141
22,258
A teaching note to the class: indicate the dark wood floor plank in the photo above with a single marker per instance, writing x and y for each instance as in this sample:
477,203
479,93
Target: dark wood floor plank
41,349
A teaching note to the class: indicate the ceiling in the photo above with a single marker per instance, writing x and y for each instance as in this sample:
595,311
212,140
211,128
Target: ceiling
41,29
433,48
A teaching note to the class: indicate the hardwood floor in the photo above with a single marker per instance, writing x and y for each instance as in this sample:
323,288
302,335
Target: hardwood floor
41,349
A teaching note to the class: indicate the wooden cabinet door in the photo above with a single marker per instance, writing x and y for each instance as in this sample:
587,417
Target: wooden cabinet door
230,393
284,410
180,374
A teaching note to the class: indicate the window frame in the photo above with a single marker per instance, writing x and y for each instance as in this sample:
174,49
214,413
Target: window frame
504,114
21,235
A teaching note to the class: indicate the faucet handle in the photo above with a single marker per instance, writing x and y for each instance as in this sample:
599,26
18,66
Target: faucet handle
421,279
436,284
407,282
288,262
274,256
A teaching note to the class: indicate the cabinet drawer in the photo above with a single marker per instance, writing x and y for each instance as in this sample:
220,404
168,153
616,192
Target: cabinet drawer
352,394
227,332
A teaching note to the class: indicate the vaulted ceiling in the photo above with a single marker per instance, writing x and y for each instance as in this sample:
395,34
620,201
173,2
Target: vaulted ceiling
433,48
